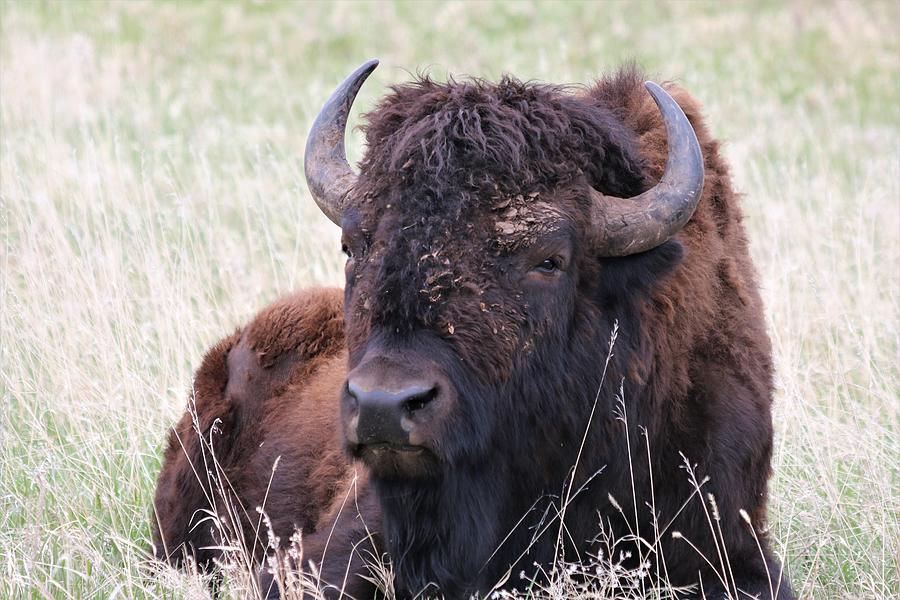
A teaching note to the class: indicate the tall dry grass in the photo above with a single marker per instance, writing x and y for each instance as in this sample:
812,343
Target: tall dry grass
152,199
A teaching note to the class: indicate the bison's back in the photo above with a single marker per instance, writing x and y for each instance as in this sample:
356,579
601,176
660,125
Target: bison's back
261,431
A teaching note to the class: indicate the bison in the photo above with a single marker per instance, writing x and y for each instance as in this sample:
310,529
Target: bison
550,344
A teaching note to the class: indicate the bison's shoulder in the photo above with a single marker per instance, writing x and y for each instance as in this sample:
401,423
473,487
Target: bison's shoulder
274,369
300,327
283,344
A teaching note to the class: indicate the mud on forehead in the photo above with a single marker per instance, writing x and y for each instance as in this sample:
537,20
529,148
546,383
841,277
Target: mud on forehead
521,220
506,221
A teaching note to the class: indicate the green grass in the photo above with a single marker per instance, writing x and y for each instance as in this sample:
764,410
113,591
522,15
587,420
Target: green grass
153,199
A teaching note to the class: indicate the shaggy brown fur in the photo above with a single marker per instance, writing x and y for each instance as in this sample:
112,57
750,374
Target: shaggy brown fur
465,186
264,394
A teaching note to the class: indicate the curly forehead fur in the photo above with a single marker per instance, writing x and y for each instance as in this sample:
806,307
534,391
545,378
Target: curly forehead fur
511,134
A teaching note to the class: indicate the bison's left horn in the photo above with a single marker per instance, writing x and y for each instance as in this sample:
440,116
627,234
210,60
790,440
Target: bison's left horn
630,225
328,174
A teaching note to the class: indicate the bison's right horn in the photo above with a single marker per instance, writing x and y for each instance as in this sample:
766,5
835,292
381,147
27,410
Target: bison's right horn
328,174
630,225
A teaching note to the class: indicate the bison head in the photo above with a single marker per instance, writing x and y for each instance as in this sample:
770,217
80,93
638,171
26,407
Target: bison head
476,232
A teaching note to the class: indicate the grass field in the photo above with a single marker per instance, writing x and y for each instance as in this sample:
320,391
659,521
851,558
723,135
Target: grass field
153,199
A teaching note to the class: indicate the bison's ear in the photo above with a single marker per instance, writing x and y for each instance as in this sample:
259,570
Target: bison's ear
628,277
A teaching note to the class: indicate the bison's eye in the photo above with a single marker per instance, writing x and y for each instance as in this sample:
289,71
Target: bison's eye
549,265
346,250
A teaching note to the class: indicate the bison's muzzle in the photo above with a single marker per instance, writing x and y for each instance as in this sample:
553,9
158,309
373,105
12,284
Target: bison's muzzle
391,406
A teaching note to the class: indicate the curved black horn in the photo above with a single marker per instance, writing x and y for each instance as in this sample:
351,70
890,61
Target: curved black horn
328,174
630,225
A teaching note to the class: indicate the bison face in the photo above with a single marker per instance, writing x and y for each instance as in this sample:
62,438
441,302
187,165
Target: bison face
475,232
448,301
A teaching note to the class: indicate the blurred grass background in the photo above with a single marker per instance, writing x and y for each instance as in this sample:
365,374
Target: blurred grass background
153,199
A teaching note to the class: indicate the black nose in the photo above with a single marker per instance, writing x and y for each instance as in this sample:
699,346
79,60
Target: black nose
388,416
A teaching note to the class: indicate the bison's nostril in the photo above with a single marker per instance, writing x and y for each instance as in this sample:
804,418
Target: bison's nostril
353,394
419,401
